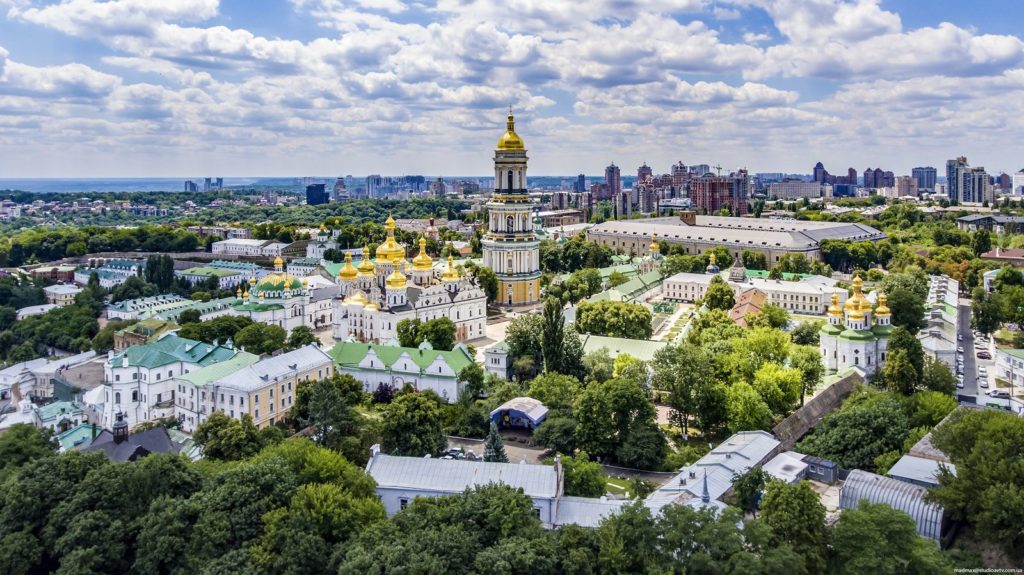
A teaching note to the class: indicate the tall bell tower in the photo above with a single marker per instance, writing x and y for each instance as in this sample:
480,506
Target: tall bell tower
510,247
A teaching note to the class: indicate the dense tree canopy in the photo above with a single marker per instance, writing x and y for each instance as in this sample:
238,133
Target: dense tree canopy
614,319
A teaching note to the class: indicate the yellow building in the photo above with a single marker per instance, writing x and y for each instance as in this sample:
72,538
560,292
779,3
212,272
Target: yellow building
510,247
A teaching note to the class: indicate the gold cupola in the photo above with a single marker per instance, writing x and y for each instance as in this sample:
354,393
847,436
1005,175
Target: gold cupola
654,247
347,272
422,262
357,297
854,302
510,140
396,280
451,274
834,310
366,267
389,251
883,308
278,263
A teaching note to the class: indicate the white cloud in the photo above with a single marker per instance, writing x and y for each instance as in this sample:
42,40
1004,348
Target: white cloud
114,17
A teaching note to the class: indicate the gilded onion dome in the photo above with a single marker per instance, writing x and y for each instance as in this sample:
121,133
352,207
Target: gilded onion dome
357,297
451,274
278,262
654,247
305,282
278,282
238,292
882,309
422,262
510,140
371,307
252,280
389,250
834,310
366,268
854,302
347,272
396,280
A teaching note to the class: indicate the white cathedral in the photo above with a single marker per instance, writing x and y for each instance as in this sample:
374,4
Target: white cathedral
855,335
377,294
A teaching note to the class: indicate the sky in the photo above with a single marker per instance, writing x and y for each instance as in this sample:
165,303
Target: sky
167,88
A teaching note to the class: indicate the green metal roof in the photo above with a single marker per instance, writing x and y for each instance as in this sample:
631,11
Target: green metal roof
206,375
171,349
1017,353
882,330
829,329
351,353
785,275
79,436
56,409
641,349
246,306
208,271
859,335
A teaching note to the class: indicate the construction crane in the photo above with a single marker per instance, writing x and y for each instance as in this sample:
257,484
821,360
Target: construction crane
718,168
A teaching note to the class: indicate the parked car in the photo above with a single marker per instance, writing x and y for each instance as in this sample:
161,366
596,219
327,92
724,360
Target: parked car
1000,393
959,337
959,349
960,384
983,382
984,355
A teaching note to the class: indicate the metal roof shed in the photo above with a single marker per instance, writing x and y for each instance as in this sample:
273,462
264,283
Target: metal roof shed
862,485
520,412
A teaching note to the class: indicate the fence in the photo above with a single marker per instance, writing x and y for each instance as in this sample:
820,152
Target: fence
791,429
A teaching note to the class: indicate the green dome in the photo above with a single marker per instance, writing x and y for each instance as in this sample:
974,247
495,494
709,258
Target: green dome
829,329
858,335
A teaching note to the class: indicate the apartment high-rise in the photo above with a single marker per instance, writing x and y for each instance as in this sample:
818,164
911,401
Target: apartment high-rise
1017,183
644,172
926,177
581,184
906,186
710,193
680,175
966,184
820,173
612,181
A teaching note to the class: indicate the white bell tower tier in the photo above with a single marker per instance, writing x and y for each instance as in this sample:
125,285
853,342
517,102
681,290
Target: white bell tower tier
510,247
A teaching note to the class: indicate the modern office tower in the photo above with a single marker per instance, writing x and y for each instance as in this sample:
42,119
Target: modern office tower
644,172
316,194
926,177
1017,183
710,193
612,181
191,186
581,184
340,191
1004,182
207,184
511,247
820,173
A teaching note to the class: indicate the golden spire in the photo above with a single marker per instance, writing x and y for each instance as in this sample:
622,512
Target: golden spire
245,294
711,258
305,282
422,262
451,274
278,263
834,310
366,267
882,309
654,247
510,140
389,224
347,272
389,250
238,292
252,280
853,303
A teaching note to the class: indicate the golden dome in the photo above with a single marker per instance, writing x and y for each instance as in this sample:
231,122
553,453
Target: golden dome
238,292
855,300
422,262
371,307
389,224
348,272
252,280
654,247
834,309
278,261
356,297
510,140
396,280
245,294
857,314
305,282
451,274
366,268
882,308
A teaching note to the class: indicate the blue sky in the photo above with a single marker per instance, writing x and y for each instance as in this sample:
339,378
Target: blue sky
141,88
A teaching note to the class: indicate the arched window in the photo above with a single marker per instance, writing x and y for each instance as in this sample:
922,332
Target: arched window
510,180
117,397
510,224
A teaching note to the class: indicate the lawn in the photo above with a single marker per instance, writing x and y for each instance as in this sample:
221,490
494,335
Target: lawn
618,486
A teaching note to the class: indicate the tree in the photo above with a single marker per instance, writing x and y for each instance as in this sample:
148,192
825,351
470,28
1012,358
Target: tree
572,355
898,373
330,408
614,319
607,412
875,538
901,339
617,278
770,315
22,443
862,430
757,347
684,371
189,316
936,376
599,365
780,387
807,359
748,488
719,295
986,311
260,338
524,336
488,281
440,332
746,409
583,478
412,425
494,447
473,379
557,433
556,391
907,310
928,408
644,446
408,332
552,335
796,517
301,336
226,438
981,242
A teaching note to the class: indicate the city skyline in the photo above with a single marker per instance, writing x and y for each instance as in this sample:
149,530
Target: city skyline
131,88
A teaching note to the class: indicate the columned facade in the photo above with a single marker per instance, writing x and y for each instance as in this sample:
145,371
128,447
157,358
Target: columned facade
510,247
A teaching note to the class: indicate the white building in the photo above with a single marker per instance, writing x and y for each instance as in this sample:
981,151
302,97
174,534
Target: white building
1017,183
809,294
34,378
61,294
35,310
111,273
140,381
316,248
942,314
248,247
861,338
395,367
381,293
140,308
263,389
226,278
796,189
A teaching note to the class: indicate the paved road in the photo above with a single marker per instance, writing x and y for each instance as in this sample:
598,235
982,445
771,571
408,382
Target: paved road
970,365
